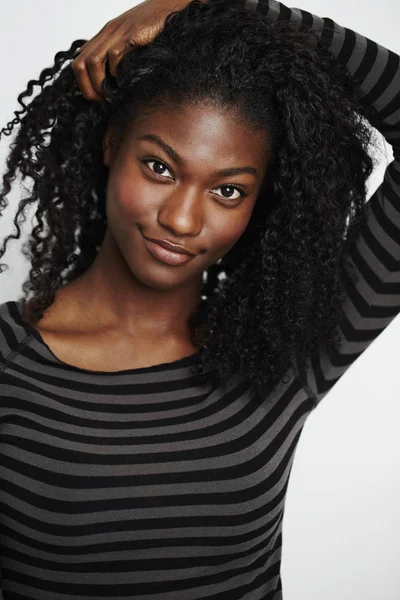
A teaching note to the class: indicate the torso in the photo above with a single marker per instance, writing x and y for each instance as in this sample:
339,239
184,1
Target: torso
91,353
103,351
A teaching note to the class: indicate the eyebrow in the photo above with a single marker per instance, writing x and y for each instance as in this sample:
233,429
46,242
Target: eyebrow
151,137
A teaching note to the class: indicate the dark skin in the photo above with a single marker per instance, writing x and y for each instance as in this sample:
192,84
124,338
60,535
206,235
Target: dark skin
129,309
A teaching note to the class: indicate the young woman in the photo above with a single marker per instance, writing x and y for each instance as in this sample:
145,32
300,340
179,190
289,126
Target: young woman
205,267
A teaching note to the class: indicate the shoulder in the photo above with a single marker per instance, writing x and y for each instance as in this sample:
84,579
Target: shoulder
12,329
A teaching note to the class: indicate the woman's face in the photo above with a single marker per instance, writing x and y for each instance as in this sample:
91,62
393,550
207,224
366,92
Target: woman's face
166,182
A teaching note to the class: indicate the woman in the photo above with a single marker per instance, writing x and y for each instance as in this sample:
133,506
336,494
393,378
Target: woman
152,399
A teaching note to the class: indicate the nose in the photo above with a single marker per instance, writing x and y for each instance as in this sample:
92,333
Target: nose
181,212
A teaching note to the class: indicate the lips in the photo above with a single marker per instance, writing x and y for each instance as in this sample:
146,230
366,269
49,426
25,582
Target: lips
170,246
165,255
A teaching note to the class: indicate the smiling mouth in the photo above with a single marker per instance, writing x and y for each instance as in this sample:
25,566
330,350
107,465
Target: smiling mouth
168,257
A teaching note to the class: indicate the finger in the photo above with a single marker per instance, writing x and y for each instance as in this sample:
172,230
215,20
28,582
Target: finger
96,69
96,62
116,52
91,58
84,81
90,66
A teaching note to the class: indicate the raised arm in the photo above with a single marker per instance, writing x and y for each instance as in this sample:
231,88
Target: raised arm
374,301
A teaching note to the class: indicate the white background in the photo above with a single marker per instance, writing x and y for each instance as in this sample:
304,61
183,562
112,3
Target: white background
341,533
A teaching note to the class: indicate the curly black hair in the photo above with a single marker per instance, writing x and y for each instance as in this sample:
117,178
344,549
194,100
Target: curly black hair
278,293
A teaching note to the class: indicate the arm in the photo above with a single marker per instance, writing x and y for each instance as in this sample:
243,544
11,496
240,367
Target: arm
374,301
137,26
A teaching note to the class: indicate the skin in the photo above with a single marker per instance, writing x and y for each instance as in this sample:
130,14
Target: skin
127,298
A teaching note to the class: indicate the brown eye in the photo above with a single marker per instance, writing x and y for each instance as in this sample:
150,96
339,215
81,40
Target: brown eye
157,170
231,188
160,168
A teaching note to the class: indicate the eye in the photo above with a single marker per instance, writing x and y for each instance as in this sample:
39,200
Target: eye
232,187
157,162
241,191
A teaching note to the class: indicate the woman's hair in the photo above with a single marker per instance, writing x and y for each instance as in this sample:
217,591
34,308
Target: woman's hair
278,292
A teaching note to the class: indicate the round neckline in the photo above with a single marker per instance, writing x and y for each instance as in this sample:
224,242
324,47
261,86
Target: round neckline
185,361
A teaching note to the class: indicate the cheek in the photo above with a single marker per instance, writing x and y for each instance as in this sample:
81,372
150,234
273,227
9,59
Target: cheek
229,228
129,200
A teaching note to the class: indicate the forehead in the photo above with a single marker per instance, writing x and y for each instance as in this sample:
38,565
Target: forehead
203,132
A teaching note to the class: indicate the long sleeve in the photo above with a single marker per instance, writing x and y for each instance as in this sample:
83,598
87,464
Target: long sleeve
374,300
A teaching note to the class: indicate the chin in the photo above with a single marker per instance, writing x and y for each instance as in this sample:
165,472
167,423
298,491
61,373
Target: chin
158,279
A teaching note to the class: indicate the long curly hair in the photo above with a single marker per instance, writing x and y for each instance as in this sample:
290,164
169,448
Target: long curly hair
278,293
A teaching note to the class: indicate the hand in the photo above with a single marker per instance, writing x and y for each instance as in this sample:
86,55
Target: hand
135,27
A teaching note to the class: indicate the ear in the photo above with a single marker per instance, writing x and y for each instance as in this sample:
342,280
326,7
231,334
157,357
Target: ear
108,145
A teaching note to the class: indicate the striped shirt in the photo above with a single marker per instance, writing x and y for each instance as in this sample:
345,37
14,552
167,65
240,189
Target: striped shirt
156,483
